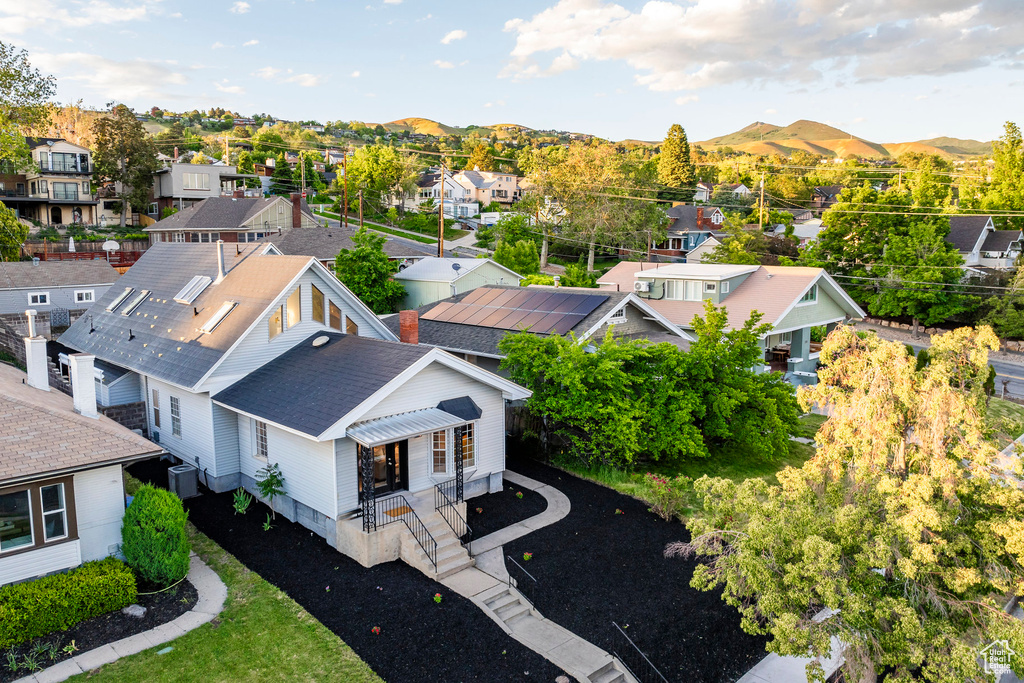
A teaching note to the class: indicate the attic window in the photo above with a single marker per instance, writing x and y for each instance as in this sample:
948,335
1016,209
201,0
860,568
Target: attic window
193,289
134,303
618,316
218,317
120,299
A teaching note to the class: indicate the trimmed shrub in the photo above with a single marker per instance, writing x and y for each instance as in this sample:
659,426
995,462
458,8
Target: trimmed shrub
155,543
56,603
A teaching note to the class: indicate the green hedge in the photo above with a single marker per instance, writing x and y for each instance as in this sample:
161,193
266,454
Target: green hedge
154,540
56,603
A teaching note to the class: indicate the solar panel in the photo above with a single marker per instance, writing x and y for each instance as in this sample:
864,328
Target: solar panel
541,311
448,313
488,296
501,301
463,313
530,321
510,320
479,314
536,302
589,303
474,295
567,322
548,322
435,311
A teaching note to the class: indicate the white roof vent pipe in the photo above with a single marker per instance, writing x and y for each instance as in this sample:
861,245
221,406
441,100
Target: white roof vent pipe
220,262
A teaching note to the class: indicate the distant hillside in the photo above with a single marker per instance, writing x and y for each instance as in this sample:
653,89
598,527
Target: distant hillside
820,138
415,124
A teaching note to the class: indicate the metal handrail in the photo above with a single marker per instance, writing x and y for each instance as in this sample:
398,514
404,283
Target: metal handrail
444,503
527,588
408,516
642,669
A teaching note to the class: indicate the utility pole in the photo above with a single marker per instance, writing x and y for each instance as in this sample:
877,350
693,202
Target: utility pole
360,209
227,154
760,213
900,180
440,218
302,163
344,185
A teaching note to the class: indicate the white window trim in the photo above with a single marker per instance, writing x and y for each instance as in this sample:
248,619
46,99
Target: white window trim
39,303
448,460
725,287
618,316
90,292
62,510
256,441
710,287
31,526
809,302
175,419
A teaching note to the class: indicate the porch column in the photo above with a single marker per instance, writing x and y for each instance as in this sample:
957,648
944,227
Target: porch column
369,490
458,434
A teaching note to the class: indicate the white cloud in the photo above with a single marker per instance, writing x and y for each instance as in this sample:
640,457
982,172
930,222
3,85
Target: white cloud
270,73
355,74
305,80
675,45
443,65
18,17
250,43
771,111
216,46
127,81
229,89
267,72
240,7
451,36
687,99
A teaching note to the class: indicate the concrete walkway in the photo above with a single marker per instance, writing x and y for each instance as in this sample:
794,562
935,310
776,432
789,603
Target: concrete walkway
558,507
212,594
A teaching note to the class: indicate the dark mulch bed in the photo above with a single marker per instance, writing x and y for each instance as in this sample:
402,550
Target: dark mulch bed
107,628
503,509
595,567
419,640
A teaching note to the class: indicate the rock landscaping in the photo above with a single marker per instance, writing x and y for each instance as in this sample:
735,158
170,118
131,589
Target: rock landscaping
492,511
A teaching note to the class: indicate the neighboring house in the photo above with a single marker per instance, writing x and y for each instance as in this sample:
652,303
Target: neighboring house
825,196
981,245
805,232
800,215
690,226
459,196
181,185
471,324
737,189
234,219
490,186
703,192
792,300
58,188
254,359
334,156
707,246
433,279
324,244
57,290
61,485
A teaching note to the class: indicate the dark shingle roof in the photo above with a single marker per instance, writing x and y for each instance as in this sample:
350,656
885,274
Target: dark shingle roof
222,213
310,388
965,230
22,274
999,240
484,340
161,338
828,191
685,217
325,243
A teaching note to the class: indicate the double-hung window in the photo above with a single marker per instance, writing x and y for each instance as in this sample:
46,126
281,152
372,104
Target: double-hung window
16,513
439,450
469,445
55,512
156,408
175,416
261,440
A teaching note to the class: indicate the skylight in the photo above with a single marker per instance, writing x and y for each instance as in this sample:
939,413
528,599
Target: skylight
218,317
120,299
134,303
193,289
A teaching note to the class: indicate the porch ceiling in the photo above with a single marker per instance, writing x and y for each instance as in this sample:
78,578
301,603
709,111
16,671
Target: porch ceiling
402,426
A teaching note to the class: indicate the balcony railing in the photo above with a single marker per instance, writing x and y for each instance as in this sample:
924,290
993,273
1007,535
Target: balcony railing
64,194
62,166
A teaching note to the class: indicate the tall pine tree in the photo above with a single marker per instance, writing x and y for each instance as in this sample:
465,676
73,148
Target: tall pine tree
675,168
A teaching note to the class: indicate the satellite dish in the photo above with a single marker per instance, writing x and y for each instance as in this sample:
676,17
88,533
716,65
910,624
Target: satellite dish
456,267
111,245
321,340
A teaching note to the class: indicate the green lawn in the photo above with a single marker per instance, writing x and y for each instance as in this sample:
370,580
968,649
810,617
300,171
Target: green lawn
261,635
1005,419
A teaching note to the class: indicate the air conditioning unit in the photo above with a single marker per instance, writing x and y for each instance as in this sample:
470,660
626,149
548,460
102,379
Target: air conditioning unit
155,436
642,286
183,481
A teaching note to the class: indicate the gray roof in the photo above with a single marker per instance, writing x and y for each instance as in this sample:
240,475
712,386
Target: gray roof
324,243
26,274
484,340
477,179
441,270
685,217
161,338
1000,240
221,213
965,230
310,388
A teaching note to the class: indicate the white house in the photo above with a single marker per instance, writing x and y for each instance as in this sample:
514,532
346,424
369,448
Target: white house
248,358
981,245
433,279
459,197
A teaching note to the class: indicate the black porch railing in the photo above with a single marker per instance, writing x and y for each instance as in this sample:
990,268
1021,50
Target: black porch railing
636,661
397,509
445,499
522,580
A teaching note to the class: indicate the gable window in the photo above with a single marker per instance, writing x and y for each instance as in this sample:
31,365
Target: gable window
39,298
276,322
55,514
351,327
293,307
716,218
469,446
175,416
84,296
156,408
261,440
16,511
618,316
439,449
318,304
810,296
335,320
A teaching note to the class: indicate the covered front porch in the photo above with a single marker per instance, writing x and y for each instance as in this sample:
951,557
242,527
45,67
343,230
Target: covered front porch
793,351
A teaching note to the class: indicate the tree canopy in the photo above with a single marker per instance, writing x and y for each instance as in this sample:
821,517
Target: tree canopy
367,272
13,234
675,168
24,98
521,257
125,157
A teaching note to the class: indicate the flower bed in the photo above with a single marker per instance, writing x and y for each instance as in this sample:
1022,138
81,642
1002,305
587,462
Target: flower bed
493,511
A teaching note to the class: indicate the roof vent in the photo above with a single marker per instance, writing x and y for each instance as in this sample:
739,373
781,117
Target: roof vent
321,340
193,289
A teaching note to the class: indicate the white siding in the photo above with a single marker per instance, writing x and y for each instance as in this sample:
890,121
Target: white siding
307,465
347,474
99,506
196,443
127,389
16,300
256,349
225,439
40,562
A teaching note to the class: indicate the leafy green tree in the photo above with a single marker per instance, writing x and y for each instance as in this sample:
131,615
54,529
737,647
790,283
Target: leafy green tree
1007,189
379,171
125,157
675,167
481,159
521,257
930,268
13,234
577,275
367,272
899,540
24,97
751,246
281,180
248,167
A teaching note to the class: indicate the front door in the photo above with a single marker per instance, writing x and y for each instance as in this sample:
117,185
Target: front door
390,468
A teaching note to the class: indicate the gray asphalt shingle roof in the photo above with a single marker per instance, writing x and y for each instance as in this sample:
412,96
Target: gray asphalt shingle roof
25,274
325,243
685,217
965,230
222,213
161,337
1000,240
310,388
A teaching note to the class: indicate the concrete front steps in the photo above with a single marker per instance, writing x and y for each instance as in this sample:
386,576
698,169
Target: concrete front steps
452,557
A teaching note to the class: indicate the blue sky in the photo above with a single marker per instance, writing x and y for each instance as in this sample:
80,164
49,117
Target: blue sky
887,71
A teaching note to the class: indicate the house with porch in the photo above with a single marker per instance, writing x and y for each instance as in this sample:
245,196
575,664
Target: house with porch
246,358
690,227
56,189
981,245
793,300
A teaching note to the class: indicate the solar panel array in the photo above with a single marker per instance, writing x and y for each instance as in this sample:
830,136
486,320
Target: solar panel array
543,311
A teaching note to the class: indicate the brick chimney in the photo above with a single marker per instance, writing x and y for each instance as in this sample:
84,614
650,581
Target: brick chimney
700,217
296,210
83,383
409,327
35,356
237,194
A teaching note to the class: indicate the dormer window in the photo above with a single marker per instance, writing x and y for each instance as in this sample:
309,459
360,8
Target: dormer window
716,218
